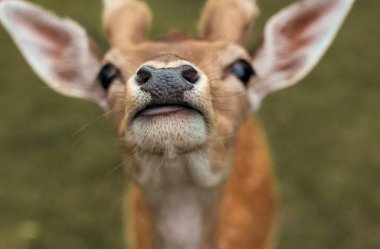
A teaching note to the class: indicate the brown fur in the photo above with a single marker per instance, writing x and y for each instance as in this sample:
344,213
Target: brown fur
248,206
227,19
132,14
247,212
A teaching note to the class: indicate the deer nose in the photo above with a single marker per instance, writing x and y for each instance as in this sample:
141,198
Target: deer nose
167,83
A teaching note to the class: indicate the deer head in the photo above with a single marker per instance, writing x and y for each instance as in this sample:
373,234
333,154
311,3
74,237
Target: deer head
178,102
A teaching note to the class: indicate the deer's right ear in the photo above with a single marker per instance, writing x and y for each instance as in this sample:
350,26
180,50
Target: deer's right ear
58,50
295,40
227,20
126,21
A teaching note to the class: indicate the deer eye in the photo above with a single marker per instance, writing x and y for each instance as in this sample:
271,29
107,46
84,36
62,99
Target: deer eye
107,75
243,70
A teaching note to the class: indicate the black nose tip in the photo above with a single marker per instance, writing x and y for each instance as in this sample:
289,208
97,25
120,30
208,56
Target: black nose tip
187,72
167,84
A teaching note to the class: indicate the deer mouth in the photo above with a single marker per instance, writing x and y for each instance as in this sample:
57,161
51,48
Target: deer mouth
176,126
165,110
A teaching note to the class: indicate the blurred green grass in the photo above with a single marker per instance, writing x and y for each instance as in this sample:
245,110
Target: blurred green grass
60,188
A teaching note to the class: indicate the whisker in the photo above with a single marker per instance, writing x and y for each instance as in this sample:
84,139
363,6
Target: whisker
86,126
120,165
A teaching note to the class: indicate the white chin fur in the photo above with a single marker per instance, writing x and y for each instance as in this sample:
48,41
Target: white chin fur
169,134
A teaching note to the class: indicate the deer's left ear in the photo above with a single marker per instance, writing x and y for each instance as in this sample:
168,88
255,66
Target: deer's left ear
58,50
295,40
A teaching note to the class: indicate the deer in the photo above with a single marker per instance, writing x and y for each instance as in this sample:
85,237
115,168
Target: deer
183,108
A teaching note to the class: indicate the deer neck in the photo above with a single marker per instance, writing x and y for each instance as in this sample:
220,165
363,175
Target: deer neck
182,217
183,212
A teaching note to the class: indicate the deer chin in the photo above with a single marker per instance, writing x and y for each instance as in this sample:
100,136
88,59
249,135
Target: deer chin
171,129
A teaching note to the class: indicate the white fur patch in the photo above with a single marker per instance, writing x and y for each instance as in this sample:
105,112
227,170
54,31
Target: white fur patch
177,202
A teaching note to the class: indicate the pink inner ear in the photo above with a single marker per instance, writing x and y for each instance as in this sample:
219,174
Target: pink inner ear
295,40
297,34
57,49
296,30
303,20
52,38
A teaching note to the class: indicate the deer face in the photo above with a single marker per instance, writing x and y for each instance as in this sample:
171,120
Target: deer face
179,101
188,96
178,96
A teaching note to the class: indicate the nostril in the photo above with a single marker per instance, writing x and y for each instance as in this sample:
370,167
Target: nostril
190,74
143,75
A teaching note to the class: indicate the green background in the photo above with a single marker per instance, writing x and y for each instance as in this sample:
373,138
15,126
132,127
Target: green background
60,177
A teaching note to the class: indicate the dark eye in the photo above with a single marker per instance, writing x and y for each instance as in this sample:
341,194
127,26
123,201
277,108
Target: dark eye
243,70
107,75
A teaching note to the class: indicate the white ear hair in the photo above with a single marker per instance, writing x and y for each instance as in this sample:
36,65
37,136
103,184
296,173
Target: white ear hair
295,40
57,49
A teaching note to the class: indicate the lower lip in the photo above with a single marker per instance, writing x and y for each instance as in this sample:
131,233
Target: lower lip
166,111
